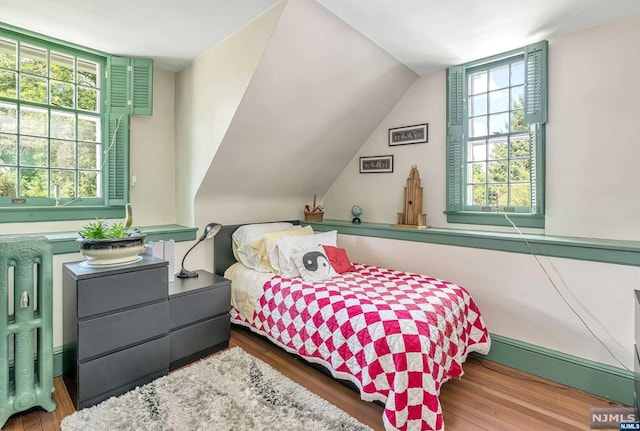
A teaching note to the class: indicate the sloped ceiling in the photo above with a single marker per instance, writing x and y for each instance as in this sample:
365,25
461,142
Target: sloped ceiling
319,91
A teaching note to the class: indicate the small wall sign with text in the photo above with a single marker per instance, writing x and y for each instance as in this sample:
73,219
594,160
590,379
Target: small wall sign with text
409,135
376,164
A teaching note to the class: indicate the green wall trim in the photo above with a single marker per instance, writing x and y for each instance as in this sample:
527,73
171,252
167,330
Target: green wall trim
65,242
589,376
36,214
595,250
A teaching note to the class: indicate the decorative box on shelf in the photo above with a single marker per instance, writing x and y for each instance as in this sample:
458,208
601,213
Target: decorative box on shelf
313,216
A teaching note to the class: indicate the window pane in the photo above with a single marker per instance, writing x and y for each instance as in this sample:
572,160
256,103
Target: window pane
517,97
477,195
88,184
33,182
498,172
478,105
517,73
33,151
478,127
520,146
517,122
61,67
87,99
33,121
499,123
477,150
498,148
499,101
477,172
63,154
33,60
8,118
478,83
8,181
66,182
88,156
62,94
87,73
520,195
497,194
520,170
33,89
8,149
63,125
88,128
499,77
8,84
8,54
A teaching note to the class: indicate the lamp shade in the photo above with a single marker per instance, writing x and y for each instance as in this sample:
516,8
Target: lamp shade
208,232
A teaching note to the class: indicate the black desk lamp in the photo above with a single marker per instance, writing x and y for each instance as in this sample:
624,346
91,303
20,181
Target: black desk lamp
210,231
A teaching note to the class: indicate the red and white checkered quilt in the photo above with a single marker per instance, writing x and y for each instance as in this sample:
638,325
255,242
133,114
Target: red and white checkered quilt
397,336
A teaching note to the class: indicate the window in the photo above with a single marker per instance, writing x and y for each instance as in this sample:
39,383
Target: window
495,138
50,124
64,128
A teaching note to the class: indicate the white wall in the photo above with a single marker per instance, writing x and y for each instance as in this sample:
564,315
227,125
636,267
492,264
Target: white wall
592,191
207,94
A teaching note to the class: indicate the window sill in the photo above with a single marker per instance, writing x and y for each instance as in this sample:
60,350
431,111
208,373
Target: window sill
595,250
65,242
43,214
496,219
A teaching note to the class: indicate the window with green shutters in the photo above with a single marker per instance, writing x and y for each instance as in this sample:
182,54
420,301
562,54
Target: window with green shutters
496,115
64,128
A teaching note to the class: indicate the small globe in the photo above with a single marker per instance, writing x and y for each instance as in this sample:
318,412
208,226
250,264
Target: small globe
356,210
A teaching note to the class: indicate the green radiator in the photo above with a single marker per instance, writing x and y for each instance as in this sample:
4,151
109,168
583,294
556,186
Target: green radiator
26,324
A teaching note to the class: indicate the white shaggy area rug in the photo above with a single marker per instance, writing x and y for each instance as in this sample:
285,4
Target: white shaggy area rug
229,391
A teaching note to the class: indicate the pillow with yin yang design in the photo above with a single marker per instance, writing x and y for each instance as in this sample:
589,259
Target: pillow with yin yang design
313,264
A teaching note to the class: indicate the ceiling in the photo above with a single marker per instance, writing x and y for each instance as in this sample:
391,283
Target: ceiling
426,35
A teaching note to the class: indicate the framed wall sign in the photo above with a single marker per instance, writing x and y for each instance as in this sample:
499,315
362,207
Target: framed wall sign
409,135
376,164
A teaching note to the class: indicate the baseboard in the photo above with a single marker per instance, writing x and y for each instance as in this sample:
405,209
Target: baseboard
606,381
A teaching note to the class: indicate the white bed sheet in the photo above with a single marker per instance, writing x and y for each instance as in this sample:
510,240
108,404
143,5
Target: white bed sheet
246,287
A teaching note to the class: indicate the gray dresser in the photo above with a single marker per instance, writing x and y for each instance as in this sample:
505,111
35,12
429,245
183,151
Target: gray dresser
115,328
199,310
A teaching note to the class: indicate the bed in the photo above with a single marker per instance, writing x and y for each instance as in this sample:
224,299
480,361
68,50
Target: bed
396,336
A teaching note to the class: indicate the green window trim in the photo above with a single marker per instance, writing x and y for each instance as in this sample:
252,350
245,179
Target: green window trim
133,87
535,113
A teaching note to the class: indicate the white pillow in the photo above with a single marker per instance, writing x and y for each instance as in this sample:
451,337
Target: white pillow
313,264
247,234
281,253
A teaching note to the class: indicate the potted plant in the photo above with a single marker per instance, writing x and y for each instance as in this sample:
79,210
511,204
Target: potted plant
105,244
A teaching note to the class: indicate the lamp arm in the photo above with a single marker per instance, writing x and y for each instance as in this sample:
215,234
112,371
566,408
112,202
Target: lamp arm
189,251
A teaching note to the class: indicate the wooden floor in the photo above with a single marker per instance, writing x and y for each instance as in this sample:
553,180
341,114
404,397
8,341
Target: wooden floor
488,397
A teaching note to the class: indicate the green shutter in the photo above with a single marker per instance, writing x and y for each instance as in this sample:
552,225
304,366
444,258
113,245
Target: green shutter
535,101
455,136
537,169
129,85
142,89
118,83
117,148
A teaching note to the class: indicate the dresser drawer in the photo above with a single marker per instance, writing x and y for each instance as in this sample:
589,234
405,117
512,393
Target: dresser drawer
111,371
103,294
118,330
193,339
199,305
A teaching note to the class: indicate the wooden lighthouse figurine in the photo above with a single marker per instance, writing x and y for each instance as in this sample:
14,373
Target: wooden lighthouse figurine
412,215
